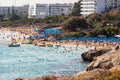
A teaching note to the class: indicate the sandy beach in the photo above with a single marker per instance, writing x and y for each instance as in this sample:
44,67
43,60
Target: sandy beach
97,45
25,32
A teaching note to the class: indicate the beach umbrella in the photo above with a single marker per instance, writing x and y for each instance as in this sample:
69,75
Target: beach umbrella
30,37
36,36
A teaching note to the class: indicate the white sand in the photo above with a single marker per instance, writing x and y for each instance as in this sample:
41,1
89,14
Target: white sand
6,36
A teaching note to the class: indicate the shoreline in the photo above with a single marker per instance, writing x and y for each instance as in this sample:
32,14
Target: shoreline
28,31
96,45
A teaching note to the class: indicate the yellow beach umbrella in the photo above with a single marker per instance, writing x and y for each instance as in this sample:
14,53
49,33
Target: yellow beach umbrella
19,40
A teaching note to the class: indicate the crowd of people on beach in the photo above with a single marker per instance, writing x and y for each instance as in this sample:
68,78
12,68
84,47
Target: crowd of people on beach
97,45
24,33
14,34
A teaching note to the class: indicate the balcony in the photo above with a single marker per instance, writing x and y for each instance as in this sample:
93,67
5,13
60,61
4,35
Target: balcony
86,13
89,9
88,6
88,2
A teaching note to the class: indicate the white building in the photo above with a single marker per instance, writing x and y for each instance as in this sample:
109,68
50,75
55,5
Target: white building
38,11
58,9
8,10
45,10
118,3
92,6
111,4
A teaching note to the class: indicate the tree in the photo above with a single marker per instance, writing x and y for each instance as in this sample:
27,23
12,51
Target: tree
76,9
74,24
109,31
15,17
8,12
1,17
95,17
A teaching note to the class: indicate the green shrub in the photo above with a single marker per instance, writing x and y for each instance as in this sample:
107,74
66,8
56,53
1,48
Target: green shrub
6,24
30,42
73,34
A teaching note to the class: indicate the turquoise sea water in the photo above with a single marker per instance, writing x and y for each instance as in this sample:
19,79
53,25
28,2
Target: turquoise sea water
30,61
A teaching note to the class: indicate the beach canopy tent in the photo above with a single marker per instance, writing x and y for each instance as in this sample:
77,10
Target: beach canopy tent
54,31
36,36
103,39
37,30
47,32
43,33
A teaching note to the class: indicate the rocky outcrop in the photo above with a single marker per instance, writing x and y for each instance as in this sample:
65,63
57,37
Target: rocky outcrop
92,54
115,68
18,79
40,78
92,75
105,61
89,75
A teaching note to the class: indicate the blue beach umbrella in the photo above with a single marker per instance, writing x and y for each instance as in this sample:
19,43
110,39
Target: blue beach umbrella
36,36
30,37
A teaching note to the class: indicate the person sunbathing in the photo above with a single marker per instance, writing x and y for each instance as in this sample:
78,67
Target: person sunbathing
117,47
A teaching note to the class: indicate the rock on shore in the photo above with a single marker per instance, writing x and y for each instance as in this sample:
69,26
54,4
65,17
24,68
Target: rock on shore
105,61
92,54
96,74
90,75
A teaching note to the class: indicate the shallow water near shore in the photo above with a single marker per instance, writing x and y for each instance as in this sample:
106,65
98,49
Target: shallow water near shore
29,61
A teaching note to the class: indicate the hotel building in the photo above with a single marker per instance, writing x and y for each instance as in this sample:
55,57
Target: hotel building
46,10
8,10
38,11
92,6
118,3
